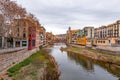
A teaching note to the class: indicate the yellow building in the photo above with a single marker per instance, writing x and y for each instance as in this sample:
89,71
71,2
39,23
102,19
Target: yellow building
72,36
81,40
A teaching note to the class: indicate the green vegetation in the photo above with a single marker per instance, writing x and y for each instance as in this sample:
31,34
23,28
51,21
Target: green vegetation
33,68
92,50
1,79
36,59
102,52
76,49
96,54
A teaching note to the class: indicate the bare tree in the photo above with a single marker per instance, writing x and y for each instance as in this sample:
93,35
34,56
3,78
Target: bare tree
10,10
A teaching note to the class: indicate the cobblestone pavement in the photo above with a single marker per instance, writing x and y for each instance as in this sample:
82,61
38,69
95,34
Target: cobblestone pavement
8,60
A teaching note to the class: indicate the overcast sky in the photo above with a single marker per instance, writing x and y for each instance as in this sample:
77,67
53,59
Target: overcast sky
57,15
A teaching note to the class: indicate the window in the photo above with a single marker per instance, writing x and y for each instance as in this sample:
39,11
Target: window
29,35
18,29
24,43
18,35
24,23
24,29
33,42
109,41
17,43
0,41
103,41
24,35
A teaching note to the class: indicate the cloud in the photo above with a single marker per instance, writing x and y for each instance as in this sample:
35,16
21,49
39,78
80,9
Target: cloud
58,15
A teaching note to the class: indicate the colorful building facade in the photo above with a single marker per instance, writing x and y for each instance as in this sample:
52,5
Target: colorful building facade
27,33
72,36
32,34
20,27
81,38
108,35
49,38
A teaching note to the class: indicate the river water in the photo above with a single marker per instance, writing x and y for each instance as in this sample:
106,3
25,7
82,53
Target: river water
77,67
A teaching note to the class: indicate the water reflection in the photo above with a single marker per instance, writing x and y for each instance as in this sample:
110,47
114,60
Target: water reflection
83,61
88,64
77,67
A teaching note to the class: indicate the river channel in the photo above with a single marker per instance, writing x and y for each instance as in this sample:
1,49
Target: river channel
77,67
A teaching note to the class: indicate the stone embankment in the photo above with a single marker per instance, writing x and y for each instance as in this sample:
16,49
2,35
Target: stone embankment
42,66
94,54
8,60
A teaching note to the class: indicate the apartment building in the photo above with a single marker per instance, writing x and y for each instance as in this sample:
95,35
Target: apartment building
89,33
20,32
108,35
38,30
72,36
60,38
1,31
81,38
49,38
25,33
42,36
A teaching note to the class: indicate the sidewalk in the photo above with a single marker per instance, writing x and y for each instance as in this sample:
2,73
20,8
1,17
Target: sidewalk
11,49
8,60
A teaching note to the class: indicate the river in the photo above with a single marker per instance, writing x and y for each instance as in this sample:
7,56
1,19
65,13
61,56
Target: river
77,67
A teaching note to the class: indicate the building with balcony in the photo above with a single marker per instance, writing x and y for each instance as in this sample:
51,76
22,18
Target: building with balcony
81,38
89,33
20,32
25,32
42,36
60,38
49,38
108,35
72,36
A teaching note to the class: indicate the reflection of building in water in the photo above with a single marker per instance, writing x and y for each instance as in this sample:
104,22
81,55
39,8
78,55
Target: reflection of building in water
83,61
88,64
114,69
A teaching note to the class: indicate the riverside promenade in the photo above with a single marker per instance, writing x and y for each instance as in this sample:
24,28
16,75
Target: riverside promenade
13,57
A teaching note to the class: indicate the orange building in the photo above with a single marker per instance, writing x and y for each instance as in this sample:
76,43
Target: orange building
25,32
49,38
72,36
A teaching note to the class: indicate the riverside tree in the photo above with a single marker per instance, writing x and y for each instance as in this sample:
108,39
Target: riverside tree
9,10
